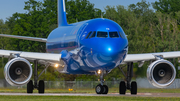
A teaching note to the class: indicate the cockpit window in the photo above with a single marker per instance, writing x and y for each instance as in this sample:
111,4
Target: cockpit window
102,34
93,34
113,35
88,34
122,35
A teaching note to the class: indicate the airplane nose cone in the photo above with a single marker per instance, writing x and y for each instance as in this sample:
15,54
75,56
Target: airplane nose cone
110,50
110,47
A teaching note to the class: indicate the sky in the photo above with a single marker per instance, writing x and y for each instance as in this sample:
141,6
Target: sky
9,7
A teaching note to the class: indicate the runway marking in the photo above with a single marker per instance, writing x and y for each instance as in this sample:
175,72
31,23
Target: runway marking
85,94
147,94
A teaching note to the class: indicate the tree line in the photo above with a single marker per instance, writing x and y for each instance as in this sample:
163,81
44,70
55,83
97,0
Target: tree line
149,28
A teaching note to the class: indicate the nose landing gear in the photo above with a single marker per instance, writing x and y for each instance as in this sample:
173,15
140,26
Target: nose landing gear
100,88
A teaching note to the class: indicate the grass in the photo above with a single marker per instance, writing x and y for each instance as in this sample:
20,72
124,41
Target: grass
84,98
111,90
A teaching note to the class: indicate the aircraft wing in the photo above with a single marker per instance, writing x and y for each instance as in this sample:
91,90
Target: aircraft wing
25,37
150,56
31,56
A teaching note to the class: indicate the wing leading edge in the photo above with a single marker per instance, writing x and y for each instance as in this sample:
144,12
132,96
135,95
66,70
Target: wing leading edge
25,37
150,56
45,57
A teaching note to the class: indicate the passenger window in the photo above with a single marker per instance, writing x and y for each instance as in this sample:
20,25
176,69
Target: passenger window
93,34
102,34
88,34
113,35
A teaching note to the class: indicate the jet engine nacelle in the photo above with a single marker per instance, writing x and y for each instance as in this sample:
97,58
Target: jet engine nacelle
161,73
18,71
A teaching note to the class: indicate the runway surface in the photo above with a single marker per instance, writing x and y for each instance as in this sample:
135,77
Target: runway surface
84,94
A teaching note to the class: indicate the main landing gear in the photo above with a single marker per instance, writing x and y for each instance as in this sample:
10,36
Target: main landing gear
123,86
100,88
40,86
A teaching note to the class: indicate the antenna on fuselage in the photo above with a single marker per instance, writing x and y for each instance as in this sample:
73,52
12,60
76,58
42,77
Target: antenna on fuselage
101,15
77,20
62,21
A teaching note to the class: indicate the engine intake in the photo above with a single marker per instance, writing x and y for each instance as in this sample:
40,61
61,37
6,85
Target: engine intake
161,73
18,71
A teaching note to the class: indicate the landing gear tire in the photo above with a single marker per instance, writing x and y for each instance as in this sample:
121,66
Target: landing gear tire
30,87
41,86
105,91
122,87
99,89
133,87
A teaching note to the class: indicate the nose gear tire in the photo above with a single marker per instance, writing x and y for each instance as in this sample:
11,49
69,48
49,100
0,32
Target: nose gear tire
105,91
99,89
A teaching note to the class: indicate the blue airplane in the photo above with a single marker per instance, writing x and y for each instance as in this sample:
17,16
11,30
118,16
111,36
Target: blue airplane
95,46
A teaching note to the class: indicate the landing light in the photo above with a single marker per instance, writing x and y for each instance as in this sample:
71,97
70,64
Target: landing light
99,71
56,65
109,49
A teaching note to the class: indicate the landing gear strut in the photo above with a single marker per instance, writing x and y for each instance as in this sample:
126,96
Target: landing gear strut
100,88
40,86
132,86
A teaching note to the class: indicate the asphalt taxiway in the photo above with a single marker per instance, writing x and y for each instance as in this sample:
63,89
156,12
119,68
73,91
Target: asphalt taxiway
85,94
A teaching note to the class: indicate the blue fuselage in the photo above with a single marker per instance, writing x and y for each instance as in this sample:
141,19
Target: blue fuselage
89,45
